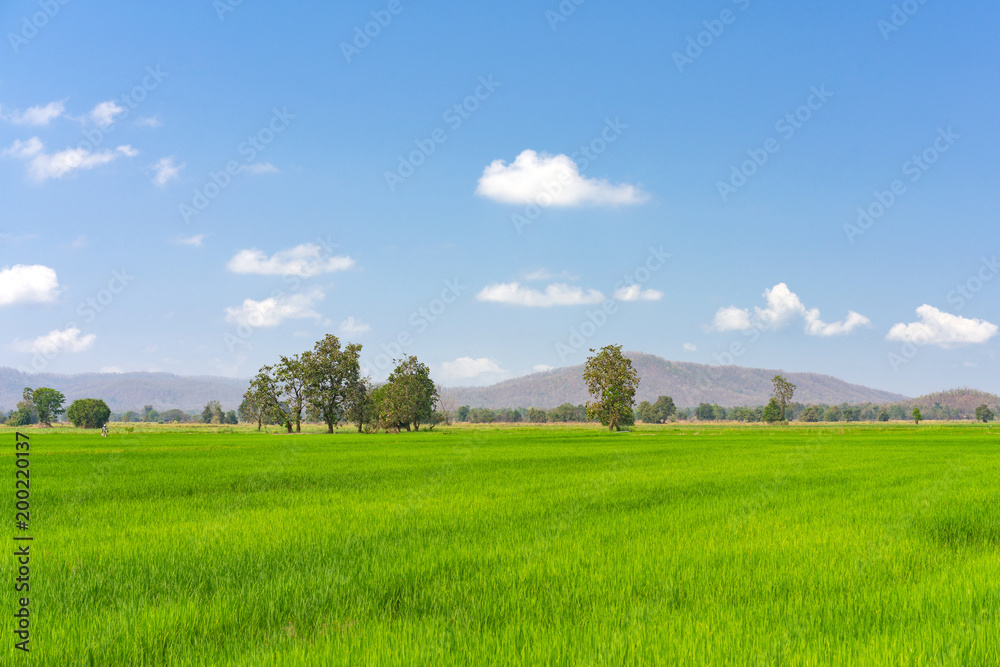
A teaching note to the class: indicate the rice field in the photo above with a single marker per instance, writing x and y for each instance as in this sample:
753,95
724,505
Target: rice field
723,545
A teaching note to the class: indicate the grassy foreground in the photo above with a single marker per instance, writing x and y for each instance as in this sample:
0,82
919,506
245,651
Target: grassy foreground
854,544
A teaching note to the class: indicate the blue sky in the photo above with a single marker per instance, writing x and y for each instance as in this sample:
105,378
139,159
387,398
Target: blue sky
497,187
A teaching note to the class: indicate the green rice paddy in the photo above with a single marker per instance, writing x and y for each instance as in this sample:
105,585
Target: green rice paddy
723,545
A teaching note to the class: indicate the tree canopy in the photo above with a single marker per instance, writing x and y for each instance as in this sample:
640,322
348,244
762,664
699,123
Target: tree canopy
612,382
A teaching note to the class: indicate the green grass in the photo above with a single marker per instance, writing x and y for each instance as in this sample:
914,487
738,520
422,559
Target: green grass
859,544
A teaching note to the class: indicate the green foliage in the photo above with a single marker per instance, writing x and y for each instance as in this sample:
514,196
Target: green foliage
20,417
984,414
813,413
332,375
410,393
612,382
705,412
782,391
833,414
917,416
773,412
89,413
48,404
883,415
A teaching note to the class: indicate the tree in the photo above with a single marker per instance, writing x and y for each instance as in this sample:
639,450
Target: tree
537,416
411,392
26,412
48,404
332,372
89,413
772,412
260,403
173,415
813,413
917,416
612,381
360,408
664,409
645,413
704,412
463,413
231,417
782,392
293,382
149,414
883,415
213,414
983,413
833,413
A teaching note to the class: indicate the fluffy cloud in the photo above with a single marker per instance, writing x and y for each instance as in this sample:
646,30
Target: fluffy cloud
37,115
151,121
353,326
104,114
28,284
550,180
303,261
556,294
541,368
690,347
466,368
56,342
273,311
43,166
636,293
165,171
942,329
783,306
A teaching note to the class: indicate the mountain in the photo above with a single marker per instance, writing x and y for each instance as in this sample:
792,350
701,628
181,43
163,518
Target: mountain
128,391
964,400
689,384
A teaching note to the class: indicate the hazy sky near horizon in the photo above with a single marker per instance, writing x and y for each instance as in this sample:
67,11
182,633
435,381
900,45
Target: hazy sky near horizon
202,186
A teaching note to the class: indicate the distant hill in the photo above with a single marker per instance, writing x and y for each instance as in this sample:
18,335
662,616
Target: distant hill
128,391
689,384
964,401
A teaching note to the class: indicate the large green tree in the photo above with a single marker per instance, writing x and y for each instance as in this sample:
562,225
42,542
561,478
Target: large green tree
983,413
260,402
48,404
612,383
782,392
332,372
293,382
411,393
89,413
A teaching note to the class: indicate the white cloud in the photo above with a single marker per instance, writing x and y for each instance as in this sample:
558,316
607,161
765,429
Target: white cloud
466,368
942,329
56,341
273,311
151,121
636,293
556,294
28,284
166,170
303,261
550,180
37,115
353,326
104,114
541,368
690,347
260,168
43,166
783,306
195,240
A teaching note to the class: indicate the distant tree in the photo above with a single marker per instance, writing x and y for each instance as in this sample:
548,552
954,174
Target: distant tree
331,372
131,416
48,404
704,412
983,413
149,414
782,391
664,409
412,392
231,417
260,403
833,414
897,412
611,381
462,414
26,413
645,413
772,411
537,416
213,413
360,408
883,415
89,413
292,378
174,415
813,413
19,417
917,416
720,412
447,408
